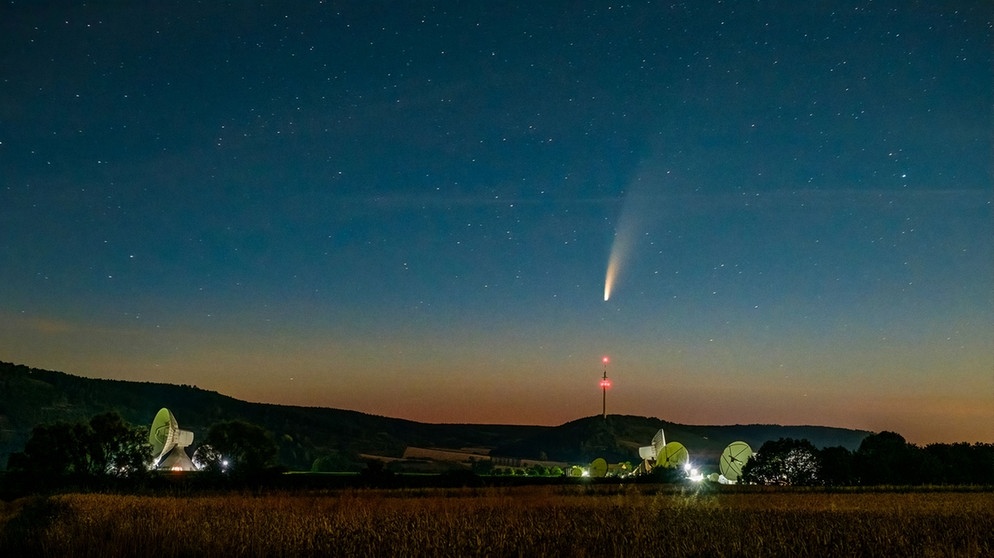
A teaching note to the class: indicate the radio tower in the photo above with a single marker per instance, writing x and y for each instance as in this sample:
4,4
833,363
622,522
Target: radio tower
605,383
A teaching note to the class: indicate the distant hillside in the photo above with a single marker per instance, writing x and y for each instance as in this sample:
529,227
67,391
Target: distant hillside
618,437
29,397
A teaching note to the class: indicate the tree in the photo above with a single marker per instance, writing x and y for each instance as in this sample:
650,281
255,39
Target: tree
237,447
886,458
53,450
959,463
837,466
482,466
334,461
537,471
105,447
117,448
783,462
667,475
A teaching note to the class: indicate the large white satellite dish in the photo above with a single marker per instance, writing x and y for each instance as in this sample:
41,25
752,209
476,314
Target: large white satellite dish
169,443
658,443
649,453
732,459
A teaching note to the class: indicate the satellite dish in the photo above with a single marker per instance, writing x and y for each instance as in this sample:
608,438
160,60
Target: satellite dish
651,452
169,443
732,459
161,435
674,455
598,468
658,442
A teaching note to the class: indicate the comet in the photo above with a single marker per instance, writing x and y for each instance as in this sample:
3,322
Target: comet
639,202
621,247
619,252
612,271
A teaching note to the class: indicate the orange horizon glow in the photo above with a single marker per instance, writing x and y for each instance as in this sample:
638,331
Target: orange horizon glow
698,383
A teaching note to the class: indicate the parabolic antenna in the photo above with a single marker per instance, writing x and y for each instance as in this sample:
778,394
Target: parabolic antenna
733,458
169,443
161,433
598,468
674,455
651,452
658,442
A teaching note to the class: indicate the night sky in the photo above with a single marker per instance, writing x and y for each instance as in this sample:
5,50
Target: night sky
408,208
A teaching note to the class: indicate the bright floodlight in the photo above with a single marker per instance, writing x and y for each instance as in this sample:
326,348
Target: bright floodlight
694,475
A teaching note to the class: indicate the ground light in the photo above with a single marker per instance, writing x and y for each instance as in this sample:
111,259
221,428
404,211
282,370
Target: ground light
693,474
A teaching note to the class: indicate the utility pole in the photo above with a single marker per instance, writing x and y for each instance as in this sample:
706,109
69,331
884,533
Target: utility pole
605,383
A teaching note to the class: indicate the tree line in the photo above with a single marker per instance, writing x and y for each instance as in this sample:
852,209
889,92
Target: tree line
108,451
885,458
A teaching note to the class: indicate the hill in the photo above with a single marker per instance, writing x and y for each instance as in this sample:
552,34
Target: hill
29,397
618,437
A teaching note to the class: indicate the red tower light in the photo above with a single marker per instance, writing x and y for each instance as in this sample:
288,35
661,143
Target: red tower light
605,383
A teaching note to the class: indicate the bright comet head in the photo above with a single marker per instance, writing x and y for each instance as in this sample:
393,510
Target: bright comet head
612,272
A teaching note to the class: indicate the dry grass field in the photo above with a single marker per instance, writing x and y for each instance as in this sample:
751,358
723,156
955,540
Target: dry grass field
597,521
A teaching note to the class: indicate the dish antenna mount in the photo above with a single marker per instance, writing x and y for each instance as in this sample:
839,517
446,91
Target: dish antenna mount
650,452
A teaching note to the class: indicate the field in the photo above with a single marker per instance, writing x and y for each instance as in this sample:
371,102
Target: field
577,520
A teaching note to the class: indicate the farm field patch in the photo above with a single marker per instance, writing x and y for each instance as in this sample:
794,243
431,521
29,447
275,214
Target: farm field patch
575,520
